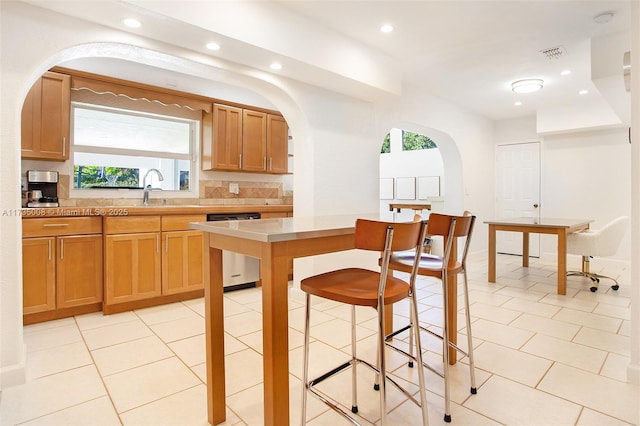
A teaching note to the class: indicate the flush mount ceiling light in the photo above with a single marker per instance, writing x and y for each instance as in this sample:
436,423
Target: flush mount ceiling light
213,46
603,18
527,85
275,66
386,28
565,72
132,23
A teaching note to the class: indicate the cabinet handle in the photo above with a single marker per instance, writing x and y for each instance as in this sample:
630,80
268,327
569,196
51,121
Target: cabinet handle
53,225
49,247
240,160
61,249
166,243
64,145
270,163
157,243
264,163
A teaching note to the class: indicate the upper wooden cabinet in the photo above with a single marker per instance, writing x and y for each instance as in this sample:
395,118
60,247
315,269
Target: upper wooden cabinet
245,140
227,137
277,144
254,141
45,118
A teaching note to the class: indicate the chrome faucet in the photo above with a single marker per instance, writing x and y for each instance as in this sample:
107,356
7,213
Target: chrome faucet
147,188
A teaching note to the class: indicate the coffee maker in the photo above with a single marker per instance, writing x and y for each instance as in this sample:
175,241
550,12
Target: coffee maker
42,188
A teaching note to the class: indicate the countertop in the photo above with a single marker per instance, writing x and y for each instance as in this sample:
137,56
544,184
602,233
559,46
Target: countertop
27,213
285,229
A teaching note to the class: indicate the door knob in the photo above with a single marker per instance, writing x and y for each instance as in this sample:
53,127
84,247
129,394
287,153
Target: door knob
535,205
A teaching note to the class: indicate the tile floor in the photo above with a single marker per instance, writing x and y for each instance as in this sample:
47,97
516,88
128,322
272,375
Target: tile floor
542,359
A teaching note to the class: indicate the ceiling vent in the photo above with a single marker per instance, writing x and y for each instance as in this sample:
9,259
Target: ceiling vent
553,52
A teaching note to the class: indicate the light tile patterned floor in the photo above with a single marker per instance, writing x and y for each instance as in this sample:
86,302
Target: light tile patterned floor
542,359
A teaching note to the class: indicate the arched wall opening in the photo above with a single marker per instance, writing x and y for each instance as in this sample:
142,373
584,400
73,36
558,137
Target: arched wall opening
21,71
452,163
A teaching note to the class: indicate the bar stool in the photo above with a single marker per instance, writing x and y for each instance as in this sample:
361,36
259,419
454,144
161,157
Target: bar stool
450,228
363,287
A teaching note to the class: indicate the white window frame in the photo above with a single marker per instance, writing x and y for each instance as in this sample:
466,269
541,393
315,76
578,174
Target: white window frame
192,157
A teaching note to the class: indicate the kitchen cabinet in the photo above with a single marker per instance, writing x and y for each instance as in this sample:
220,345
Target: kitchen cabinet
152,260
62,267
245,140
277,144
132,259
227,137
46,118
182,254
254,141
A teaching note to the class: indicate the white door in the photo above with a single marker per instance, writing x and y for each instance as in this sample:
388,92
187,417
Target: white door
517,192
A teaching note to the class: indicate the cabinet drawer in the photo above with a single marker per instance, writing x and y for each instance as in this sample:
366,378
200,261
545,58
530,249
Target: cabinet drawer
181,222
130,224
61,226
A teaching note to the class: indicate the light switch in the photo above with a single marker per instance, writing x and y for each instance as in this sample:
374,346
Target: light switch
234,188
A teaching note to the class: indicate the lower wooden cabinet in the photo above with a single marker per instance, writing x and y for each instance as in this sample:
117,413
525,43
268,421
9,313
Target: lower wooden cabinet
182,261
61,274
150,260
132,265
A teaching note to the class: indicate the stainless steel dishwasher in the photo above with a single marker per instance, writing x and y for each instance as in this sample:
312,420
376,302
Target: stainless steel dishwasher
238,271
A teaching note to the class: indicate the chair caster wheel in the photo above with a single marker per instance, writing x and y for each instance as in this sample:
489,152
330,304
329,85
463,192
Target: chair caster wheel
593,289
376,387
474,391
447,418
615,287
354,409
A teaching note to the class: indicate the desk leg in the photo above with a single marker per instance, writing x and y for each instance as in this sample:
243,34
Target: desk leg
492,253
214,325
562,261
275,336
525,249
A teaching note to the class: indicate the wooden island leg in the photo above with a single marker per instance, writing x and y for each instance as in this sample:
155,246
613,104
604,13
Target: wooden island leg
492,253
275,336
214,325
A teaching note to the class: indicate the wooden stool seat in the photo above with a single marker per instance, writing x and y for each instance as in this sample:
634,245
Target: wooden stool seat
355,286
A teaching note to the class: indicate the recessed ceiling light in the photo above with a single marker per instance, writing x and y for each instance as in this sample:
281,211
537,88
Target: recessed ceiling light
213,46
583,92
565,72
527,85
275,66
517,103
386,28
132,23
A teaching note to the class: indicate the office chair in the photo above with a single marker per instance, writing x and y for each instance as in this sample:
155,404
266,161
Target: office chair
377,289
601,242
451,228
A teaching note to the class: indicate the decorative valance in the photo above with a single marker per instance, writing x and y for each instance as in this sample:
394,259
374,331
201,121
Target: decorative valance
99,87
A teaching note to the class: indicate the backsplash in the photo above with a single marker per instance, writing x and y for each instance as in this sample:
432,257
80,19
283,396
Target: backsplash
212,192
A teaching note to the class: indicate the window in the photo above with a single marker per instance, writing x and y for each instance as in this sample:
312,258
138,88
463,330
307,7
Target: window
414,141
115,148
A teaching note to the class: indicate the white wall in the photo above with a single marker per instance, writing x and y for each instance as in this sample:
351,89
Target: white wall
583,175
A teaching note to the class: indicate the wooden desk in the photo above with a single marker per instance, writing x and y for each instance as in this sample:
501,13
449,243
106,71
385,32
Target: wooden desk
275,242
559,227
416,207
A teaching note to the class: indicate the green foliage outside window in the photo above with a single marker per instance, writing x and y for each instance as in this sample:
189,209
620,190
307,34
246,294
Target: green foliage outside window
413,141
386,144
98,176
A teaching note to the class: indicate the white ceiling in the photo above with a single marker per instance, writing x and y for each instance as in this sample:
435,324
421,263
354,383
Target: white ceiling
465,51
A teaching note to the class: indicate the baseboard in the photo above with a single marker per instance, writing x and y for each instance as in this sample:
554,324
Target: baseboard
13,375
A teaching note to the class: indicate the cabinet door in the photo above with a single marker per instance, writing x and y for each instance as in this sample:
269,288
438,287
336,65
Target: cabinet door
38,274
182,261
277,144
227,137
254,141
79,270
46,118
132,266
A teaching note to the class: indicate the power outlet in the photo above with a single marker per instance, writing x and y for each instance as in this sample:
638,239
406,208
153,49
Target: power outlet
234,188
